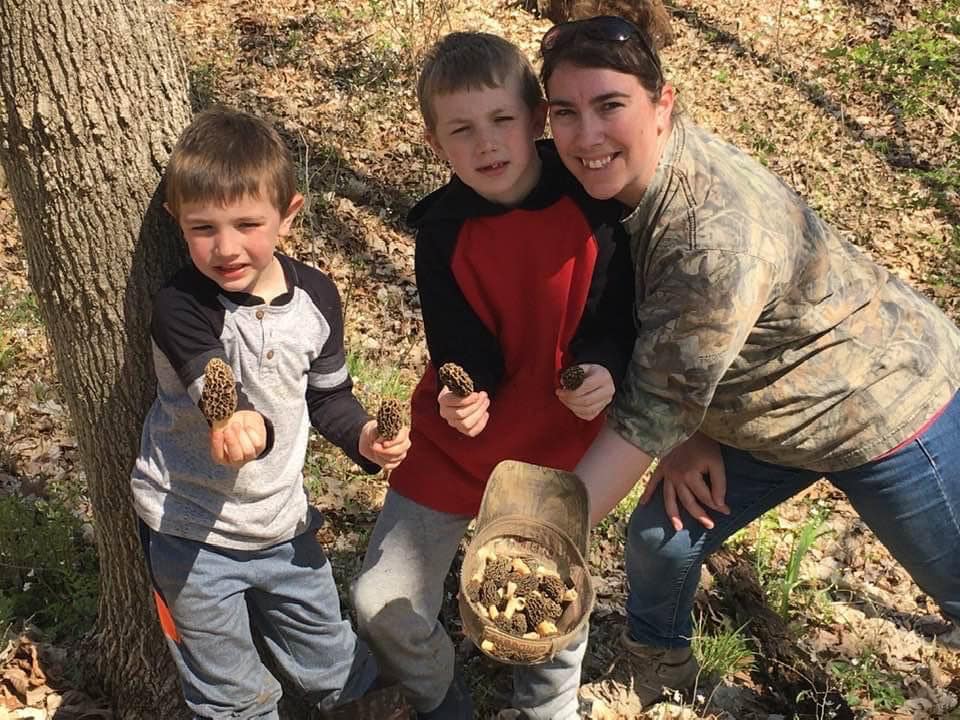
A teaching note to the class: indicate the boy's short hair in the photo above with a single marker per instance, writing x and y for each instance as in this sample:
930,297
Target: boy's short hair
472,61
225,155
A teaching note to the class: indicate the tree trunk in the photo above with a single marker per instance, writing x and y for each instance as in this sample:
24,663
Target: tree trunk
94,94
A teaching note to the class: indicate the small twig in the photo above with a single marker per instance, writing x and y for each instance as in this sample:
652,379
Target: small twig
354,43
777,44
946,121
305,214
821,707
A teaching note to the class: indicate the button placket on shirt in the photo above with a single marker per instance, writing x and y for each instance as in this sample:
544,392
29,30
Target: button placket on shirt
268,356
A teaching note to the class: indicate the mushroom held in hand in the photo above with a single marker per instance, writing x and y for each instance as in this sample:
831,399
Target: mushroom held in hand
572,377
218,401
456,379
389,419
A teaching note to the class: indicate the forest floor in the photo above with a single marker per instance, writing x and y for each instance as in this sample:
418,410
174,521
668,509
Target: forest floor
855,103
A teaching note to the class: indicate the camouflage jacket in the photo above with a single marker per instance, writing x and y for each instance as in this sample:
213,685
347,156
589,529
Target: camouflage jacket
759,325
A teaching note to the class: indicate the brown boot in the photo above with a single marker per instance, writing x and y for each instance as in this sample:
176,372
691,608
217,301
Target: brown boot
641,676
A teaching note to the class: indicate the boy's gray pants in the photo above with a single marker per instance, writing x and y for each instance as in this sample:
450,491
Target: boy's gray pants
397,598
210,599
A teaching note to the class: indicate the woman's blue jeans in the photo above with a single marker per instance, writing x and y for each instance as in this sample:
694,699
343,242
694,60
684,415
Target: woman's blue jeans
910,499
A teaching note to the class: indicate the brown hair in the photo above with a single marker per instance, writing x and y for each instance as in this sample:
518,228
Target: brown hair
225,155
472,61
635,55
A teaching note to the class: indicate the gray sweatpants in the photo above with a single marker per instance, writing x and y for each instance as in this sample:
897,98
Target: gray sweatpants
397,598
210,600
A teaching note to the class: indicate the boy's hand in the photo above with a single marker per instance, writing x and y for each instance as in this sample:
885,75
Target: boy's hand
468,415
385,453
241,440
590,399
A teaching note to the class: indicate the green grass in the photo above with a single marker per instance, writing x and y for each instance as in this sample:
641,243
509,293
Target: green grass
785,588
203,80
864,682
811,531
48,573
374,379
8,350
19,314
19,307
760,538
761,146
915,72
722,652
911,67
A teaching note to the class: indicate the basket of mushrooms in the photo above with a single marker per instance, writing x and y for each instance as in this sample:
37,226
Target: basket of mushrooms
525,589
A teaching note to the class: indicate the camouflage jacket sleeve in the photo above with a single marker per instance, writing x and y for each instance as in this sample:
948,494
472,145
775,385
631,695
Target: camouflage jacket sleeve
697,308
761,326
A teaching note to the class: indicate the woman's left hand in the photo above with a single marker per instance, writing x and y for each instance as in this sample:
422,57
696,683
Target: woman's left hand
590,399
692,473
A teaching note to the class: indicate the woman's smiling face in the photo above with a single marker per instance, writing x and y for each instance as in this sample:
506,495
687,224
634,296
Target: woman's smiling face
608,131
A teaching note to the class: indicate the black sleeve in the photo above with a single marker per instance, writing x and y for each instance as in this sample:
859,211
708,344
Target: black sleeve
606,333
454,331
334,410
186,325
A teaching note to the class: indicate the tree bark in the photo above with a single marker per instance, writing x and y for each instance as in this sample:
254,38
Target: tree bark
94,94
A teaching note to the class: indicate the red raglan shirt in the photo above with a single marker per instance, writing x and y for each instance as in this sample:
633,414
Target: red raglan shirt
513,295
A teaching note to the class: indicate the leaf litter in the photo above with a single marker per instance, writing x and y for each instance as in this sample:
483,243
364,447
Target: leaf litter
337,78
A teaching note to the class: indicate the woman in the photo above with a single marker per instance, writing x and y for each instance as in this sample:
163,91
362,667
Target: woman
770,352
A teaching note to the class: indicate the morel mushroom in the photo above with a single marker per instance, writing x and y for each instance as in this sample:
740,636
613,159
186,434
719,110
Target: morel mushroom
456,379
489,594
218,400
572,377
552,587
497,571
552,608
503,623
536,609
389,419
526,584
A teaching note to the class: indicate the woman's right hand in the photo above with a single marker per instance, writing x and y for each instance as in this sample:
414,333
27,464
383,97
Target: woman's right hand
692,473
468,415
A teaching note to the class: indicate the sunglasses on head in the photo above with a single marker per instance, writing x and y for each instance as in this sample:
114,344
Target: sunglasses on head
603,28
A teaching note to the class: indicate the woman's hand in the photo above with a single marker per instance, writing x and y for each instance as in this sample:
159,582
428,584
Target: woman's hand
468,415
590,399
385,453
693,474
241,440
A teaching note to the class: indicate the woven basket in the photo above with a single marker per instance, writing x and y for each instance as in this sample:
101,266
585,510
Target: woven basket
530,510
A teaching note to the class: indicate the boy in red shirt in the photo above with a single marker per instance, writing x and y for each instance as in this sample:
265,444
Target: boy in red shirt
520,275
